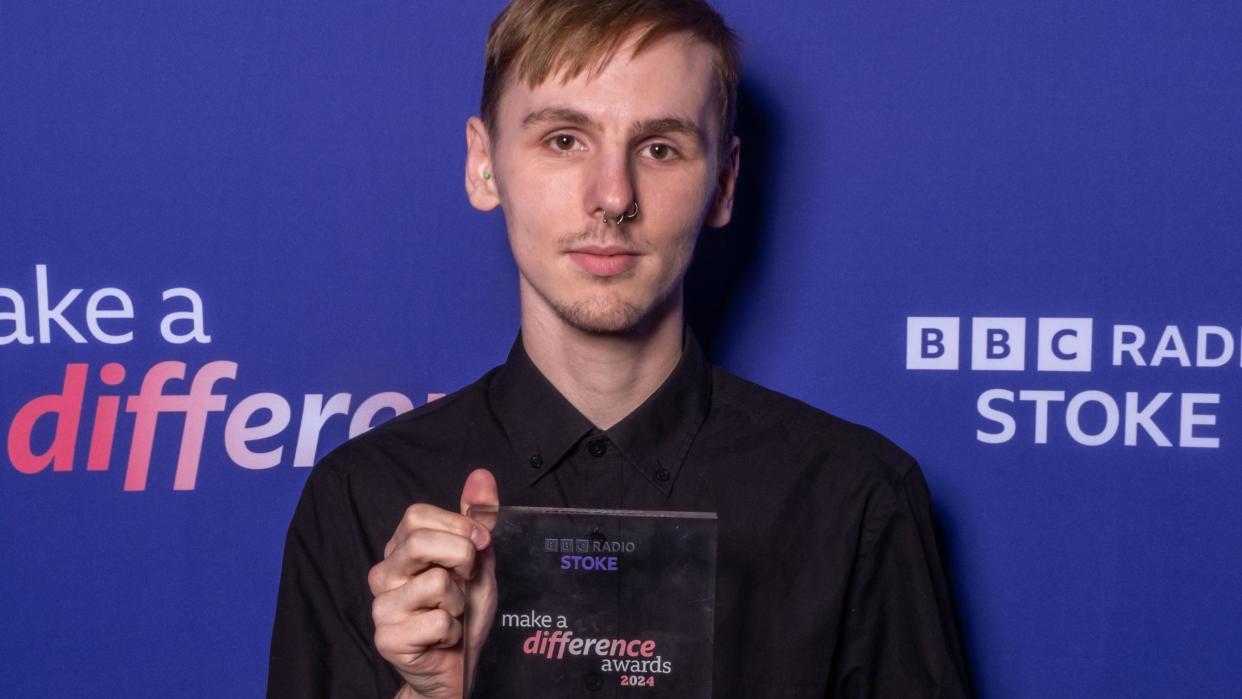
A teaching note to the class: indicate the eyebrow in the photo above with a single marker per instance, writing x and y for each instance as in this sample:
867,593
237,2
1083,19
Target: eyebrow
670,125
557,114
661,125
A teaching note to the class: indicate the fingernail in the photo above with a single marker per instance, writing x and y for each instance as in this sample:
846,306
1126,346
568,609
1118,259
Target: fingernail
477,536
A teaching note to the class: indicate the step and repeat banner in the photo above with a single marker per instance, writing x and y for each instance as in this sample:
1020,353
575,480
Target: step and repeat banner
1005,234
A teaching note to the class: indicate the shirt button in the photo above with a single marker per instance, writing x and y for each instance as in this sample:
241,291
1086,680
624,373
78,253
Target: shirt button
662,475
536,461
597,447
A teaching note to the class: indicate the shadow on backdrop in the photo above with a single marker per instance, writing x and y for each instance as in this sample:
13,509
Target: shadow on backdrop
944,530
723,271
725,259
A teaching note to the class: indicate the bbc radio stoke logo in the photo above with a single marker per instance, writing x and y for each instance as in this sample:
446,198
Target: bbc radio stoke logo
1062,346
998,344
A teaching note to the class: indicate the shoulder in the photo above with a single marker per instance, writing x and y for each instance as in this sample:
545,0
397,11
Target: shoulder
408,447
809,435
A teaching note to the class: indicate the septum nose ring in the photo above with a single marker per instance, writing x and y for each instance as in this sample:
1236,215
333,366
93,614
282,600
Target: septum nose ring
630,215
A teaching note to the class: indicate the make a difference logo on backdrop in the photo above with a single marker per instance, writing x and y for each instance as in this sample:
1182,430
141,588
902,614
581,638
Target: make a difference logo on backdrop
73,425
1030,408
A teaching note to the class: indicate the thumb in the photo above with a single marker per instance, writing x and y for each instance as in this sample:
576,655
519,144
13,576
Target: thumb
481,490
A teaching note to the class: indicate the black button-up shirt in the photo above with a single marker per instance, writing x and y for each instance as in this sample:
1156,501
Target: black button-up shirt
829,582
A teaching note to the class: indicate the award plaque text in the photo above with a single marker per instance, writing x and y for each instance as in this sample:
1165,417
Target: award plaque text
600,603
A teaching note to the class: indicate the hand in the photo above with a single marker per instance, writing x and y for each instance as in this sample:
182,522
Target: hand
422,602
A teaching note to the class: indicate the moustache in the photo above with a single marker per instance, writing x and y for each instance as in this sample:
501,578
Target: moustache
601,235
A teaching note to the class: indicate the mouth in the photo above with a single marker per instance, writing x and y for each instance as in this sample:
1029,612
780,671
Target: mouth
604,260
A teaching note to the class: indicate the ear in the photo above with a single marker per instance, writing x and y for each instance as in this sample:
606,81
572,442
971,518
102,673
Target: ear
480,173
722,207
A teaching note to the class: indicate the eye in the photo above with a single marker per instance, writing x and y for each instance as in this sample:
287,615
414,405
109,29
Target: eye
564,143
660,151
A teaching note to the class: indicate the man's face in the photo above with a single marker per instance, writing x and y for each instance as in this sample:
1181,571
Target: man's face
646,129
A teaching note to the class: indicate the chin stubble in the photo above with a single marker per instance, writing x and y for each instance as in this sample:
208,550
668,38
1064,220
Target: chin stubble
596,316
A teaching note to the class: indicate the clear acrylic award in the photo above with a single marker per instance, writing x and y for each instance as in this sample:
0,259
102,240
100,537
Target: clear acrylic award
599,603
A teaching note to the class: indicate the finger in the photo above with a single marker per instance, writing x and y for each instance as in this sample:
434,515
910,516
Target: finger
481,599
432,589
434,628
480,490
423,549
424,516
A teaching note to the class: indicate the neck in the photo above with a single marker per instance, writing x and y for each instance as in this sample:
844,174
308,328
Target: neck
604,376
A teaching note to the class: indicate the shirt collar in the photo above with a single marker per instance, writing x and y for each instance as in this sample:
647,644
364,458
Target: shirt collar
543,425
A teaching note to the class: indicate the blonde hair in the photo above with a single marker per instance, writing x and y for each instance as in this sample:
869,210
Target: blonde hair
538,38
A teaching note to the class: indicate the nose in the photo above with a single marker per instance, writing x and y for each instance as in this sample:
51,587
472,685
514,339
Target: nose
611,190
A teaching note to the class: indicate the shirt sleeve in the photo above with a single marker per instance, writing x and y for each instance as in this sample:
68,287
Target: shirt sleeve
901,637
323,636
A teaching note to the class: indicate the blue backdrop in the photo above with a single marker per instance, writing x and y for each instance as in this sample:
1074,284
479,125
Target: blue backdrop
267,196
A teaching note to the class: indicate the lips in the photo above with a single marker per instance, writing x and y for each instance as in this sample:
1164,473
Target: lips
604,261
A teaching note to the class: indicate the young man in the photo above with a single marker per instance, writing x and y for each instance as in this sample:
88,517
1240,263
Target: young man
606,138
